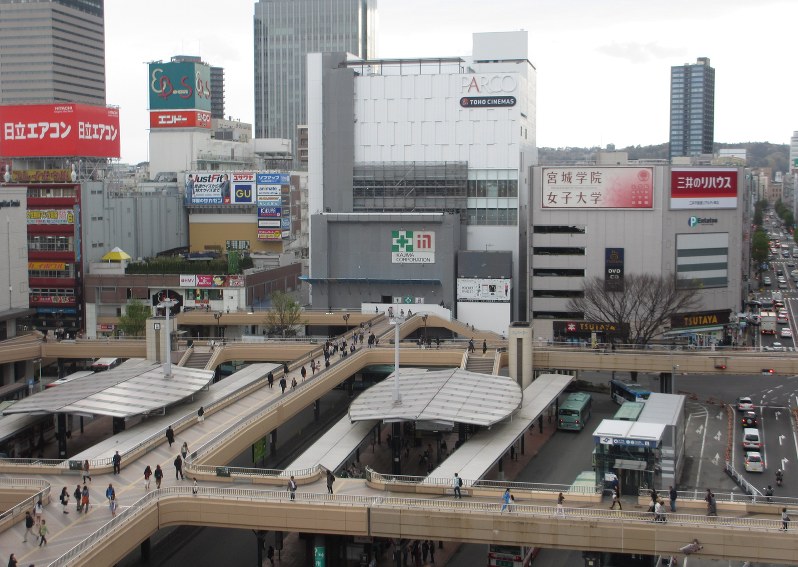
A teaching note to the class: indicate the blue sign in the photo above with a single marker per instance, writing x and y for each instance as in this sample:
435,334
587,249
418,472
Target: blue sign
51,310
273,179
286,223
270,203
266,212
242,193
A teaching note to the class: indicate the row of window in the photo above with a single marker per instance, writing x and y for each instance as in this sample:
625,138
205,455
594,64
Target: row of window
567,315
50,243
558,293
51,192
558,251
52,291
68,273
558,229
502,217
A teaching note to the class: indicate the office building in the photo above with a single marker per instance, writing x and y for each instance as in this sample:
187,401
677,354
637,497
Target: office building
216,83
692,109
285,32
52,51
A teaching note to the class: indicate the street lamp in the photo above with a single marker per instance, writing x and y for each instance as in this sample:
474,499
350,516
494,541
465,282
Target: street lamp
218,316
346,322
396,322
424,318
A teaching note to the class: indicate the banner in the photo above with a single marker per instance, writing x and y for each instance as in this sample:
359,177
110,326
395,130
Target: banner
180,86
269,234
202,280
179,119
51,216
613,269
412,247
483,290
59,130
42,175
703,188
597,188
57,266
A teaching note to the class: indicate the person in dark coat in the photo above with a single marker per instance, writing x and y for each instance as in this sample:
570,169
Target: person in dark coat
170,435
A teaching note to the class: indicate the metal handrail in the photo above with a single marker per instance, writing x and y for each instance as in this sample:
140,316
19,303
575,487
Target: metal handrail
27,504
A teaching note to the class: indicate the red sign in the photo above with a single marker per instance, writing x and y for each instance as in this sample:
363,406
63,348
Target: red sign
704,188
180,119
54,299
264,234
70,129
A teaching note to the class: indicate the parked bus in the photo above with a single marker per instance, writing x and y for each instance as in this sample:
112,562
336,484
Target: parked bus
511,555
622,392
69,378
104,364
574,411
629,411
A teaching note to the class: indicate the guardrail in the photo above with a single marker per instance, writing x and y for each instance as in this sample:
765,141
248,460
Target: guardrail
742,482
12,515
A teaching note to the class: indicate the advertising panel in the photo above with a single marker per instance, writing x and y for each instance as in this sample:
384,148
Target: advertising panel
188,280
273,179
613,269
50,130
586,328
51,216
54,299
180,86
268,193
191,280
483,289
700,319
597,188
269,234
704,188
42,175
285,223
180,119
208,188
243,192
412,247
269,223
58,266
269,212
270,203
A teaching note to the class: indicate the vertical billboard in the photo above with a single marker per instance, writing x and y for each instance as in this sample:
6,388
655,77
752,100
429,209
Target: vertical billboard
703,188
597,188
180,86
613,269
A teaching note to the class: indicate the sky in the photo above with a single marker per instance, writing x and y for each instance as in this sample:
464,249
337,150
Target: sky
603,66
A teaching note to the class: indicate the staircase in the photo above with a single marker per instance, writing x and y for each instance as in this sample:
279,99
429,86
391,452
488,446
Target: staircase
198,359
480,364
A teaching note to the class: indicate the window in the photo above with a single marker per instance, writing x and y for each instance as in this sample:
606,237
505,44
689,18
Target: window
558,293
558,272
558,251
558,229
568,315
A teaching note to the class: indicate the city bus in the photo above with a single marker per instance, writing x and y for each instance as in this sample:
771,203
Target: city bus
574,412
622,392
629,411
511,555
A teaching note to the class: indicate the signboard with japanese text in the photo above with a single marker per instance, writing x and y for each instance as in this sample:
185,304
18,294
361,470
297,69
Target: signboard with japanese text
273,179
55,266
42,175
208,188
269,223
203,280
269,234
627,442
586,328
703,188
53,299
597,187
613,269
180,86
50,216
484,290
267,212
180,119
412,247
59,130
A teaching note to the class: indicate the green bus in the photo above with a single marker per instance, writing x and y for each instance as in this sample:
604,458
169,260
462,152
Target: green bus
629,411
574,412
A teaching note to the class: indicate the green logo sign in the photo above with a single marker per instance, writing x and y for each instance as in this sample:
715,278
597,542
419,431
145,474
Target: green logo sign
402,241
318,557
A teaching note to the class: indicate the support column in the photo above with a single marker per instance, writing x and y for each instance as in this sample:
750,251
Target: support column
260,538
666,383
62,440
523,440
146,549
461,432
273,443
118,424
320,550
396,439
519,352
61,368
501,468
316,410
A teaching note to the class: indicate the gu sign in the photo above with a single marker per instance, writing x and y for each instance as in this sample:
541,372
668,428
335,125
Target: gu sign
412,247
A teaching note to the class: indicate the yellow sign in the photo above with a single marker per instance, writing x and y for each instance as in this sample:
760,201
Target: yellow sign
46,266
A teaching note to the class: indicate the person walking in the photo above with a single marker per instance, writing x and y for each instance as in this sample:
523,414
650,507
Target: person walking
560,508
505,499
77,494
293,383
29,523
303,372
38,511
330,481
86,471
616,498
424,552
43,533
471,345
110,492
431,552
158,474
12,560
112,505
283,384
270,555
712,506
484,346
184,450
84,499
170,435
292,487
270,379
147,475
457,484
785,519
179,468
659,511
673,495
201,413
195,487
64,498
117,461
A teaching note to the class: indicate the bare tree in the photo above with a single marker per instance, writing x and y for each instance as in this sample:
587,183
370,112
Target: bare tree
284,316
646,304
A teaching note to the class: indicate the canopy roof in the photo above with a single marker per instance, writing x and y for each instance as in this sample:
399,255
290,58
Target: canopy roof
116,255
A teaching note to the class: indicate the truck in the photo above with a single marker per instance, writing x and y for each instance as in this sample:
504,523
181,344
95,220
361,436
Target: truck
767,324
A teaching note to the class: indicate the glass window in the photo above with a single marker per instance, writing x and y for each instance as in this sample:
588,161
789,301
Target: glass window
481,188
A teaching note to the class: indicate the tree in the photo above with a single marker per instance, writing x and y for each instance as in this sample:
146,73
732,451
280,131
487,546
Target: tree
284,316
134,321
759,247
646,304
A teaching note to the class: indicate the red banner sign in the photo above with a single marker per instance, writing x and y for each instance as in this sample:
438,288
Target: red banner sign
46,130
180,119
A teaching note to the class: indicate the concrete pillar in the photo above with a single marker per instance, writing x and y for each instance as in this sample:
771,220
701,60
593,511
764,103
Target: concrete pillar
520,337
146,549
260,541
61,434
156,337
316,410
273,442
396,439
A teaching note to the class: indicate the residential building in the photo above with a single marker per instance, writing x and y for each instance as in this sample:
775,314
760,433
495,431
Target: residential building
692,109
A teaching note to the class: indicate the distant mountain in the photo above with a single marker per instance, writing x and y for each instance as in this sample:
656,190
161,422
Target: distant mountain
760,154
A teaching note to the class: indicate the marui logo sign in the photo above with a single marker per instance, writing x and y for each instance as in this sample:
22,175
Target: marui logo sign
412,247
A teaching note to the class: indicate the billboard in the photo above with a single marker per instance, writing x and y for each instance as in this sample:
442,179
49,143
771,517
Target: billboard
42,175
270,234
483,289
412,247
613,269
59,130
597,188
180,119
703,188
202,280
51,216
208,188
180,86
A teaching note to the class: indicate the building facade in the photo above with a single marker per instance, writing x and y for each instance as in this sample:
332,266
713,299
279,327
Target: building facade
692,109
285,32
52,51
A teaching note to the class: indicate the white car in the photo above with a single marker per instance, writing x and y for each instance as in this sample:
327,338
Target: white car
745,404
753,462
786,333
777,347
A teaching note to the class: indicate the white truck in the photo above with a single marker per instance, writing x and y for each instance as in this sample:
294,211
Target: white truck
767,324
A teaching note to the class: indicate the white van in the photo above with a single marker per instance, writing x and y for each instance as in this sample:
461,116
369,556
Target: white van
104,364
751,439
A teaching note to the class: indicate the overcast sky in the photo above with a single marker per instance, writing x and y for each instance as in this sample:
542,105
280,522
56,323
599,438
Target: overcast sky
603,66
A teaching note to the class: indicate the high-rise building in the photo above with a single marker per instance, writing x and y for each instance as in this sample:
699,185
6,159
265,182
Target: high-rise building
692,109
285,32
217,92
52,51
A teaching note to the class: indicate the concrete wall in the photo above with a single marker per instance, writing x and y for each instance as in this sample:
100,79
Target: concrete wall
13,249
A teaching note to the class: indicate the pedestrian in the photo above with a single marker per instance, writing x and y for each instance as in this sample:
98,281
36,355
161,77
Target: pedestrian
77,494
283,384
270,379
184,450
112,505
432,552
110,492
64,498
659,511
292,487
471,345
43,533
785,519
712,507
170,435
673,496
424,551
86,471
147,475
84,499
484,346
293,383
28,526
179,468
38,511
201,414
303,372
285,368
560,508
195,487
158,474
117,461
270,555
457,484
437,342
330,481
12,561
616,498
505,499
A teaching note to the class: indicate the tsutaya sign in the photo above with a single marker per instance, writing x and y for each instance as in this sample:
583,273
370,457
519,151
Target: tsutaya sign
412,247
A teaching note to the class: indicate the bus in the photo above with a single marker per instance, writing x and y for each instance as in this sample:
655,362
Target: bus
622,392
511,555
104,364
69,378
629,411
574,412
